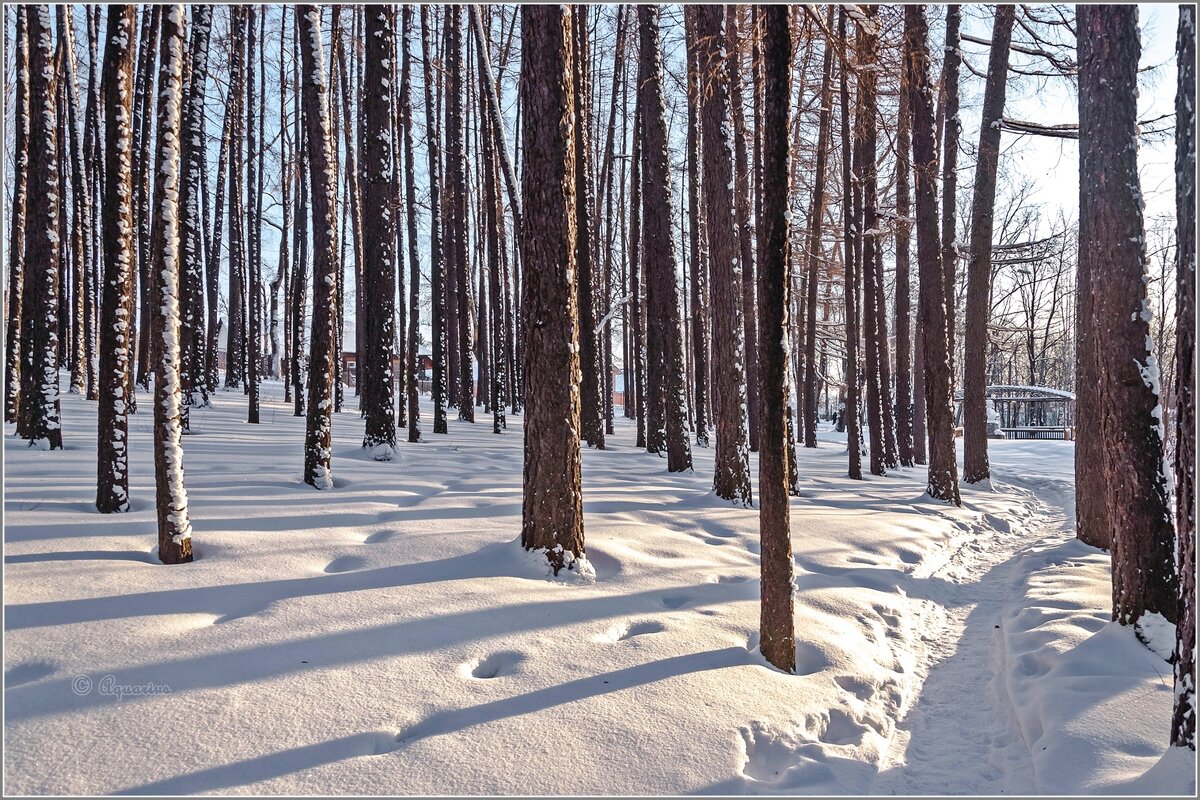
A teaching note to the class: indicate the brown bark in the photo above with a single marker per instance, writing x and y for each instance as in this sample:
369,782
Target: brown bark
116,305
950,135
979,267
456,222
552,510
410,202
777,639
866,133
1111,243
849,256
436,260
697,237
16,231
666,348
904,390
943,466
319,426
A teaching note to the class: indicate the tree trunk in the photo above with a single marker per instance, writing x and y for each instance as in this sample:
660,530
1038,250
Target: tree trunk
666,357
950,171
1111,242
319,427
731,479
43,251
777,639
904,391
939,408
16,234
552,511
116,305
697,236
456,186
436,262
636,270
1183,720
849,230
144,100
866,132
212,279
253,341
979,268
174,528
412,364
235,330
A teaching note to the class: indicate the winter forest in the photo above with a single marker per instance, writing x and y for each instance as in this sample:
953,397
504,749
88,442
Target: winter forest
599,399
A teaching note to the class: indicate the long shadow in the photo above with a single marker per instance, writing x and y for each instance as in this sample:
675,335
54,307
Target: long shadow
297,759
80,555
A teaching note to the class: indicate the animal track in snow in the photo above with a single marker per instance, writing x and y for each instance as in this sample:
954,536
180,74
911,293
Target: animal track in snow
345,564
622,631
505,662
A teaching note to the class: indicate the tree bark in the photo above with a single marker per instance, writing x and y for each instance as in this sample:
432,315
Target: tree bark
116,305
436,261
866,132
943,466
979,268
456,186
1111,242
731,479
552,510
412,364
666,358
319,426
16,233
904,390
849,256
144,101
174,527
697,237
953,127
777,639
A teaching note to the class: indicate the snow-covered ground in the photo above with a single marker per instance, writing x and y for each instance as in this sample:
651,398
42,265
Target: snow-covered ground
390,636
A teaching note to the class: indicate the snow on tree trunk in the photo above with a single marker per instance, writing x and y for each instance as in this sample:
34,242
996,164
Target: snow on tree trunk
979,268
253,219
1112,244
943,466
43,248
731,479
379,236
116,302
319,427
777,639
666,346
1183,719
16,232
191,224
174,528
552,509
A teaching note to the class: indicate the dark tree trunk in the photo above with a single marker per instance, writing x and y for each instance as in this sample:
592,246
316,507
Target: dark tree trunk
950,172
904,391
816,216
436,262
212,279
866,132
43,250
174,528
235,330
144,103
412,365
731,479
697,238
456,189
1111,242
16,233
552,511
116,305
319,427
746,230
379,237
939,408
253,232
1183,720
637,285
591,394
666,349
979,267
777,638
849,256
191,223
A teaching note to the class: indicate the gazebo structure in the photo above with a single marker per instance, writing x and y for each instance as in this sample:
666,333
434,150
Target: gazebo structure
1027,412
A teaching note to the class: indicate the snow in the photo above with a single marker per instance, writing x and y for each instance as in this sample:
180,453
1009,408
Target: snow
391,636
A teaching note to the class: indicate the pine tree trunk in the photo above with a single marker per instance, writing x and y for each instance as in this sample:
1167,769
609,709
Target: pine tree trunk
939,408
666,349
904,391
174,528
253,222
866,132
456,185
191,224
234,333
75,163
16,233
636,272
777,639
731,478
552,510
116,304
1183,719
1112,243
979,268
412,364
952,128
816,215
697,237
43,249
319,427
437,267
143,186
849,256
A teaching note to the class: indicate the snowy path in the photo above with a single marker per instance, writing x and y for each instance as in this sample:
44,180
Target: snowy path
961,736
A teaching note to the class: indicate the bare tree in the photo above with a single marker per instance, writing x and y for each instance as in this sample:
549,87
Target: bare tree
16,232
437,266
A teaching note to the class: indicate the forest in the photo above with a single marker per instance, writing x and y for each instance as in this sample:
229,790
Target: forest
720,399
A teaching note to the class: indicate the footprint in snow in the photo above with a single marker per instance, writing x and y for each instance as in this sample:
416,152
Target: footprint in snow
345,564
505,662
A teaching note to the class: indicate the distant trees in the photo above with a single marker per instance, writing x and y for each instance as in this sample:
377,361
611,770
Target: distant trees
1112,246
552,511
